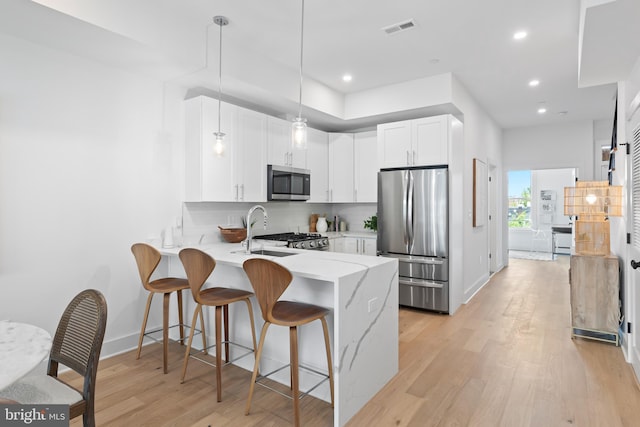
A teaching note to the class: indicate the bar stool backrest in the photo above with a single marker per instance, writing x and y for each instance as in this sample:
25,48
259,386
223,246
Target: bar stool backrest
198,265
269,281
147,258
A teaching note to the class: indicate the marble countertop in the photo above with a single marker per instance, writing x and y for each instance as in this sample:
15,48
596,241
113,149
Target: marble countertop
321,265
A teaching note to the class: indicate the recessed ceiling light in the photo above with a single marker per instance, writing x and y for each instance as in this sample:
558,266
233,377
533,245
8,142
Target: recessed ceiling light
347,78
542,110
519,35
534,83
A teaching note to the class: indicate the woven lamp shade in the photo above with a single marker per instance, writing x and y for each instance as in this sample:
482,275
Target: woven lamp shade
592,202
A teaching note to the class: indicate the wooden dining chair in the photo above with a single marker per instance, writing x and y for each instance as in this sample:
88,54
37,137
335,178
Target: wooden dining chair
147,258
199,265
76,345
269,281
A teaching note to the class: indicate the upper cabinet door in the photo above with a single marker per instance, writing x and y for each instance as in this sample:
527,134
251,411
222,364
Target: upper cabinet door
251,165
318,164
420,142
280,151
394,144
209,177
366,167
341,167
429,137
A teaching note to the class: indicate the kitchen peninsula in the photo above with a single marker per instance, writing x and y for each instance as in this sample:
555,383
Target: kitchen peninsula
362,292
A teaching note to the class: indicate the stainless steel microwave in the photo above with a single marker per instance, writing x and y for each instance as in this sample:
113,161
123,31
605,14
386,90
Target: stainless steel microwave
287,183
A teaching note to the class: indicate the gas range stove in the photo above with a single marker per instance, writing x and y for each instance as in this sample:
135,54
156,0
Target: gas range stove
298,240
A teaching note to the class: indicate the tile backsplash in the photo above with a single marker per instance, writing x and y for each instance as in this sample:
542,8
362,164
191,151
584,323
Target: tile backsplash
200,220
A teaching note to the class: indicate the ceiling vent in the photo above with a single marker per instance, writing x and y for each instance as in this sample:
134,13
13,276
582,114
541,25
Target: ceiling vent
399,27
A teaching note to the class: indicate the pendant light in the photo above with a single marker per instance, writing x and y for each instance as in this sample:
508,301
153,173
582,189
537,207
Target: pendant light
299,125
219,146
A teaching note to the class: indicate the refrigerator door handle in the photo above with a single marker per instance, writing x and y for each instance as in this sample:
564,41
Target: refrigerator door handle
422,283
410,210
405,200
420,261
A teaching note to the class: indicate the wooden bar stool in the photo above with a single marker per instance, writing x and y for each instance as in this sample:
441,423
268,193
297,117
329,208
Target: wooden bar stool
148,258
199,265
269,280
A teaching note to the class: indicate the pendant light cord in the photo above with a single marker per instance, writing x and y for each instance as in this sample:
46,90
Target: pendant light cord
301,50
220,78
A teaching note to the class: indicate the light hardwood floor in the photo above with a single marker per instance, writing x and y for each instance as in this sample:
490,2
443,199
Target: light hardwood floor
504,359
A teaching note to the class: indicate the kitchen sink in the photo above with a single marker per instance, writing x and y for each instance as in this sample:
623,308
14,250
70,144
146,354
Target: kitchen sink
267,252
272,253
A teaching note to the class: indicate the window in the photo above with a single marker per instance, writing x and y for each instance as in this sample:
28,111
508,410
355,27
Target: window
519,199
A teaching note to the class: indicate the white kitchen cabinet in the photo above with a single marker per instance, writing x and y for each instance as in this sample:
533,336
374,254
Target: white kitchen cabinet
208,176
250,162
336,244
394,144
318,164
419,142
233,176
280,151
357,245
360,245
365,167
341,174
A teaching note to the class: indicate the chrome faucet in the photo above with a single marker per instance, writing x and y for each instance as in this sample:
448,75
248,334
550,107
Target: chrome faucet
264,214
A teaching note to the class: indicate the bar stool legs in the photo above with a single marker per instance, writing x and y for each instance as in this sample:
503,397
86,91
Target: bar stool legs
165,325
198,266
269,281
147,259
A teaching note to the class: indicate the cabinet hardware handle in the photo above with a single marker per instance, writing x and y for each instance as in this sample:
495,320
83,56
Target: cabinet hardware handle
236,188
408,158
242,192
635,264
413,161
286,159
355,195
331,195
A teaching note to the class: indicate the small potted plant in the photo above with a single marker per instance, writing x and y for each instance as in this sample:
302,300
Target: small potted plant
371,223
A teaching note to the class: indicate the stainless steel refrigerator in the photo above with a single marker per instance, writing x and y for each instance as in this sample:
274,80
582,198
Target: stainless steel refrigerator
413,226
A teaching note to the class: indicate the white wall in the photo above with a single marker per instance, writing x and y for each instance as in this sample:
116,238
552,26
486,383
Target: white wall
482,140
567,145
89,164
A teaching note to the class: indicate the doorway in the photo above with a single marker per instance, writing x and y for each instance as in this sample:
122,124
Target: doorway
535,208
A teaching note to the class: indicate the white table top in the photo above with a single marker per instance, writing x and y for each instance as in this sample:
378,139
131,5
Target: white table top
22,348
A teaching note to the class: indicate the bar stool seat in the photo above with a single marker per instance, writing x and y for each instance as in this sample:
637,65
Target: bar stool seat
199,265
269,281
147,258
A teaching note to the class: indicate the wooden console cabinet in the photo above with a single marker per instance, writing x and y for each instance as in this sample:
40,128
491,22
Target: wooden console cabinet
595,297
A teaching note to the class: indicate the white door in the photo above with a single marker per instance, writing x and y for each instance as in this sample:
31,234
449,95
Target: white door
633,297
493,220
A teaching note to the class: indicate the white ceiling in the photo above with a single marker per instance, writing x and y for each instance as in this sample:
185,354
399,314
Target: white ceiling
469,38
